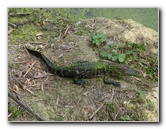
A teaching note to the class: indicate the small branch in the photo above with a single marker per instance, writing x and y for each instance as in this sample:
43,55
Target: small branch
18,14
29,68
20,83
38,43
25,107
21,62
43,83
9,115
24,87
112,95
65,33
90,118
60,33
12,25
116,115
41,76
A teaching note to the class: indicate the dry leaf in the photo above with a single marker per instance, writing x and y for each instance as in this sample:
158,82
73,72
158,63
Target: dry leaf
16,88
39,34
10,30
144,75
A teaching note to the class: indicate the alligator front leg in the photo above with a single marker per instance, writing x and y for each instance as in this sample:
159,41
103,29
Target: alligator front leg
106,81
79,81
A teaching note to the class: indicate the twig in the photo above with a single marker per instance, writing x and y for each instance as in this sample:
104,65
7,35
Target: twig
25,107
64,35
43,83
57,101
24,87
10,115
90,118
60,33
30,91
112,95
116,115
29,68
20,84
41,76
41,87
18,14
21,62
12,25
38,43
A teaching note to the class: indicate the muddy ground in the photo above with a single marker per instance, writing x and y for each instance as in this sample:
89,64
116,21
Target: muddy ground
58,99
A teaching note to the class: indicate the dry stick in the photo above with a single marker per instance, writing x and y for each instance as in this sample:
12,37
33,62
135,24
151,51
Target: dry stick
116,115
19,14
101,106
12,25
10,114
112,95
44,75
29,68
64,35
38,43
25,107
96,111
43,83
23,87
60,33
31,92
20,84
21,62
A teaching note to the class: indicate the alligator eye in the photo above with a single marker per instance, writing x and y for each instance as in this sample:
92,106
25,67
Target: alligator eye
123,67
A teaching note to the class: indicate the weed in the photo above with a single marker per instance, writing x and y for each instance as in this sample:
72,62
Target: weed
123,117
15,112
141,93
129,53
98,38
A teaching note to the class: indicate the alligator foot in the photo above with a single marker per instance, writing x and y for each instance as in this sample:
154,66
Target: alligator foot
106,81
79,81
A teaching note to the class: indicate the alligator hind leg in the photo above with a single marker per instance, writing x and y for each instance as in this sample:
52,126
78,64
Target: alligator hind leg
106,81
79,81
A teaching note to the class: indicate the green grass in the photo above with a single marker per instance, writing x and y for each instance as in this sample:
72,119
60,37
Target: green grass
48,21
15,111
25,33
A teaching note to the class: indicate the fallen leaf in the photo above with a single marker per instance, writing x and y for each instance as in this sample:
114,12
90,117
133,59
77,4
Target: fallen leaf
16,88
39,34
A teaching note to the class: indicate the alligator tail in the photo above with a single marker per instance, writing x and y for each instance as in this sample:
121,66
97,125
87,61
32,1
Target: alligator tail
49,64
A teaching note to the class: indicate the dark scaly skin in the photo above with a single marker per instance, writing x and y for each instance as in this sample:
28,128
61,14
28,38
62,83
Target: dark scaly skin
86,69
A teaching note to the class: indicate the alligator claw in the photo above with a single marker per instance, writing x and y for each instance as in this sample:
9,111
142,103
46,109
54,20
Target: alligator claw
115,83
106,81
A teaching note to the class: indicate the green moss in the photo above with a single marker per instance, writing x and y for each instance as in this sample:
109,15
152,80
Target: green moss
38,20
24,33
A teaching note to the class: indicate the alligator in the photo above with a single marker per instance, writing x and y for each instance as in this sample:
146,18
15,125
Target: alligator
81,70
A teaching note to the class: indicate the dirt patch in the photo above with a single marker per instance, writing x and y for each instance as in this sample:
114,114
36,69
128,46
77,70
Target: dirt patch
58,99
